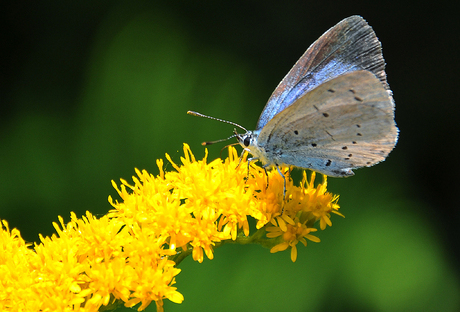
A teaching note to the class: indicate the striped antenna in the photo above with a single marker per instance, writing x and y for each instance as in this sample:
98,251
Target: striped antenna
217,141
221,120
214,118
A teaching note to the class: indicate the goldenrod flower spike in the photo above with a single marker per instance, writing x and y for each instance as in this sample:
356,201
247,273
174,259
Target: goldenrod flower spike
130,256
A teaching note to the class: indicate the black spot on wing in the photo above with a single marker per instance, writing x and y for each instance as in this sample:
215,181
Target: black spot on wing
328,163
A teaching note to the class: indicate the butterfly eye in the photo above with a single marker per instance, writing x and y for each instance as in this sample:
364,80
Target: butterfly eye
247,141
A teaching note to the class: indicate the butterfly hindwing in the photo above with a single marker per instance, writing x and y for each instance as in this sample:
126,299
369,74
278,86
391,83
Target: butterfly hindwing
345,123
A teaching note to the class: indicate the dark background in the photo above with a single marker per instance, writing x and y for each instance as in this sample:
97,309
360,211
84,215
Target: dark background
91,90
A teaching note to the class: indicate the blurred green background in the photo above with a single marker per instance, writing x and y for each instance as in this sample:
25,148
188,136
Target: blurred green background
92,89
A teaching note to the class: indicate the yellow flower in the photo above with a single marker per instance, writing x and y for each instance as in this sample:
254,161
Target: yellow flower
292,235
130,256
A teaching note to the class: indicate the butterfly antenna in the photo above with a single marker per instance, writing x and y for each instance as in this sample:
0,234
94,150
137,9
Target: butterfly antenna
217,141
221,120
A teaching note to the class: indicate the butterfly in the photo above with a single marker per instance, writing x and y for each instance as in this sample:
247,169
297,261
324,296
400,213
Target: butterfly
333,112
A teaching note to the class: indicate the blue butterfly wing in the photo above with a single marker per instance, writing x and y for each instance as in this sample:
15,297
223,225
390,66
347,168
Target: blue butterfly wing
348,46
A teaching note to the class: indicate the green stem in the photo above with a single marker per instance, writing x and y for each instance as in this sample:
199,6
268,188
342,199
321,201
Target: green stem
257,238
181,255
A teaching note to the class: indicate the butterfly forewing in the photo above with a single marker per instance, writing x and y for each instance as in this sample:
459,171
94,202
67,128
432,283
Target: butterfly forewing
348,46
345,123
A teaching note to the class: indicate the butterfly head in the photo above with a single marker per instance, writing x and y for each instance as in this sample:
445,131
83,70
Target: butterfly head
248,141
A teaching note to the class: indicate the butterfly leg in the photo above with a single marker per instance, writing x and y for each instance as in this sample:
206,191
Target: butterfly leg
249,161
284,181
266,174
265,168
241,159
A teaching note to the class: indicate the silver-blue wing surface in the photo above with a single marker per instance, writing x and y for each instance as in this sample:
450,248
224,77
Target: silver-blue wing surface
350,45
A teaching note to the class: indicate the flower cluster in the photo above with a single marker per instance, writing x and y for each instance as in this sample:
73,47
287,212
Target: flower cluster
130,256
